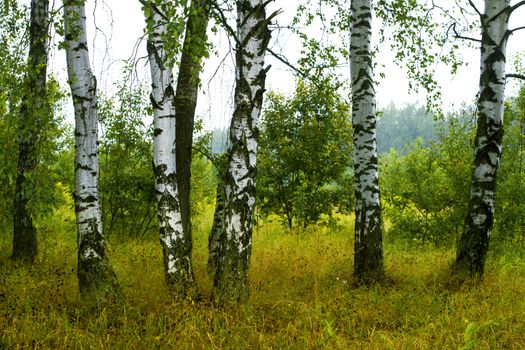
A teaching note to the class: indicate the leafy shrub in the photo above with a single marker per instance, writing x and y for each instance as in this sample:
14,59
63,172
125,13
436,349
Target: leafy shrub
426,190
305,155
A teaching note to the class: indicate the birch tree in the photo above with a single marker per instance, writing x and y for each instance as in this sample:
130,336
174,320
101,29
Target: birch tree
173,129
32,112
495,33
194,49
473,246
95,275
368,254
214,239
252,37
220,162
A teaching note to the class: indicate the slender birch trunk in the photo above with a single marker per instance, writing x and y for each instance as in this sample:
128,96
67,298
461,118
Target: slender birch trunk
368,254
215,239
33,110
95,275
231,276
186,100
176,242
473,246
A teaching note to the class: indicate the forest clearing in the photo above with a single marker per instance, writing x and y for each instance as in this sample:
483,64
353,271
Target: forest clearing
133,217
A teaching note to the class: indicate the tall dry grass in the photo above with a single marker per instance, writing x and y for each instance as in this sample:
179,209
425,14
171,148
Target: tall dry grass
302,296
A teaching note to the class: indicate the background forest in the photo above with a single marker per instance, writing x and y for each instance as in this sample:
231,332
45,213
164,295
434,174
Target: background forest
302,290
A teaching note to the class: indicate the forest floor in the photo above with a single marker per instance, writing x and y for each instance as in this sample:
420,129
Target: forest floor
302,296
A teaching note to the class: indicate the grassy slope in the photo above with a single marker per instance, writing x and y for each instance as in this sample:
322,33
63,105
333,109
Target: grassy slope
301,297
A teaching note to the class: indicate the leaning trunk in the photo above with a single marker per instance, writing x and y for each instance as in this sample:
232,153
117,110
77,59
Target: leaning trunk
175,241
368,254
33,110
190,67
473,246
231,276
95,275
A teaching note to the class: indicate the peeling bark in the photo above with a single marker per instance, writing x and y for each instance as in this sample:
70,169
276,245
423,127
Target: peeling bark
368,254
96,278
473,246
34,108
252,37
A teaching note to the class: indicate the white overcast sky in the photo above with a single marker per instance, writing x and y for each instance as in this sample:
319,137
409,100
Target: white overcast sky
121,24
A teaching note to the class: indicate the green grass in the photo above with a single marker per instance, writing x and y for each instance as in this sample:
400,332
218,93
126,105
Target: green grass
302,296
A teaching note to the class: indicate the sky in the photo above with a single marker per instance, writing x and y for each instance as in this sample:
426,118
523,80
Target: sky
120,26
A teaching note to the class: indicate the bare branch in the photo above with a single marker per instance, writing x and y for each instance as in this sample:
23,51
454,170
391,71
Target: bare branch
219,65
270,17
279,27
207,154
463,10
134,58
458,36
467,38
508,10
515,6
222,19
287,63
515,76
516,29
107,39
474,7
444,11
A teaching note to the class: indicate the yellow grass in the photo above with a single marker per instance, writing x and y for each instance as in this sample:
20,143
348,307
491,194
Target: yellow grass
302,296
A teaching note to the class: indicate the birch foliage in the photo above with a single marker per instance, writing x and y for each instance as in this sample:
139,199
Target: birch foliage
54,134
34,114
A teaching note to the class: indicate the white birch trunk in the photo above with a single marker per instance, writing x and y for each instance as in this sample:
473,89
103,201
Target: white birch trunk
368,255
94,272
176,243
472,250
231,277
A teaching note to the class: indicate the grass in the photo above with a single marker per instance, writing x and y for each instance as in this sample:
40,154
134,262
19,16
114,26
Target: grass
302,296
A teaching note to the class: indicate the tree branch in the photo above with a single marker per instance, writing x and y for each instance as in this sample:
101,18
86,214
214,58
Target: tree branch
458,36
507,10
222,19
275,13
516,29
154,8
287,63
474,7
515,6
516,76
